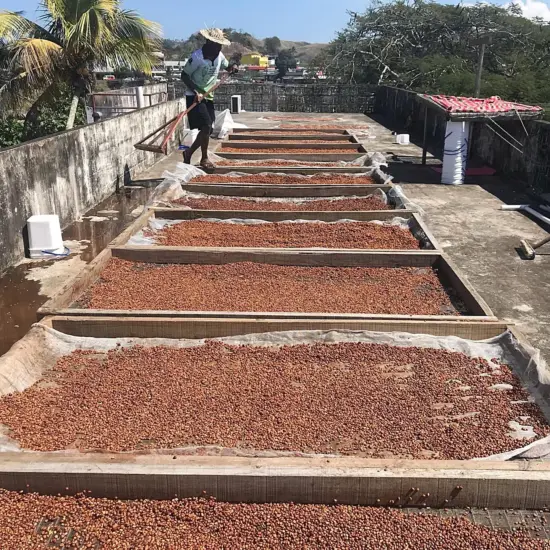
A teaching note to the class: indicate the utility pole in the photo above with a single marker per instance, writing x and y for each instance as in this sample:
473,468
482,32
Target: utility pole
482,42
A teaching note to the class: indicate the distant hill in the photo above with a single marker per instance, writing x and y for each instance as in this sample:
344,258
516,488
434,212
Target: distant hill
241,42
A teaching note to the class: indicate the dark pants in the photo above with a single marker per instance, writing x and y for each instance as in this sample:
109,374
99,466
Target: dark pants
202,116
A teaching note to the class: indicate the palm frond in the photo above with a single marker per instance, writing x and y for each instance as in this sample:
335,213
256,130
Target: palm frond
130,24
18,93
70,11
13,26
132,53
35,57
135,40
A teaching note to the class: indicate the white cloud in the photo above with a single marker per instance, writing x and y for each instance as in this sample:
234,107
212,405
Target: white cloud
533,8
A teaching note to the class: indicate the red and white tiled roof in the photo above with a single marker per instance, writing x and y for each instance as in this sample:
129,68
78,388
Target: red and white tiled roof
488,105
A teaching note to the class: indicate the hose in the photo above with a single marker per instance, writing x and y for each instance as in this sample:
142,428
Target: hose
65,253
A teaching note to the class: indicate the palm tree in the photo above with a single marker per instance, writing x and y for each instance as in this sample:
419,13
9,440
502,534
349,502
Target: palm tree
74,38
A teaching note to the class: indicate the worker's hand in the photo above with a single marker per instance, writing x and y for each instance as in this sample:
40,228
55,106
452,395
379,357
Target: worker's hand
199,97
233,69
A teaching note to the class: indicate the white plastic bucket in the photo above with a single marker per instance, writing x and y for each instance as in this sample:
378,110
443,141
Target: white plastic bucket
402,139
455,153
45,240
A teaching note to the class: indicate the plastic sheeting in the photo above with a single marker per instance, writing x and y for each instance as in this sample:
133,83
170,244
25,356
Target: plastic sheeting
36,353
224,124
170,189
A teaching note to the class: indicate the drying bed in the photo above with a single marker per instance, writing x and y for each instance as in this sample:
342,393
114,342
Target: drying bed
289,134
34,522
284,283
40,370
361,235
323,126
289,167
214,202
298,156
291,137
277,163
293,118
291,142
247,286
356,230
273,150
290,131
283,179
343,398
260,181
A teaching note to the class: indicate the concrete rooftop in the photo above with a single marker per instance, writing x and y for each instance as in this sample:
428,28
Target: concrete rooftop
481,239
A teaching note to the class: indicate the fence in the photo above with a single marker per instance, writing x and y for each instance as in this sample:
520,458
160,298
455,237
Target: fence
117,102
294,98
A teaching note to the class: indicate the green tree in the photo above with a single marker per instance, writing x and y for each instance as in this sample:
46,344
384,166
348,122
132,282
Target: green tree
74,38
272,45
285,60
236,58
428,47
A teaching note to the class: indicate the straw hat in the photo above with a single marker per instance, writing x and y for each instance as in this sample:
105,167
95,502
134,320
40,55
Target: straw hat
215,35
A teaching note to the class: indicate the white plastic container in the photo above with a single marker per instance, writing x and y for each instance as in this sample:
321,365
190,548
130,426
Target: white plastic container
402,139
455,153
190,138
45,240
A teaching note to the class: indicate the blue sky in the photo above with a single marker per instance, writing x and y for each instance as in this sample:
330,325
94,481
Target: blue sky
308,20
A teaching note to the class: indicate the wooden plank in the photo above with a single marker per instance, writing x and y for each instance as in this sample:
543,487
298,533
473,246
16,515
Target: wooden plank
72,311
465,291
305,157
278,216
276,256
450,484
73,289
133,228
281,191
313,146
196,327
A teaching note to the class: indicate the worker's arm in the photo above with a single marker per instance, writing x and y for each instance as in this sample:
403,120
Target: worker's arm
187,77
229,67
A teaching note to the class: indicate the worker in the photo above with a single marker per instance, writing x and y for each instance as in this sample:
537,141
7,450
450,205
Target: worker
199,74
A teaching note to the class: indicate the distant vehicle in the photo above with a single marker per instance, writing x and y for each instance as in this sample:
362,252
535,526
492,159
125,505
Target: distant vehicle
159,79
109,77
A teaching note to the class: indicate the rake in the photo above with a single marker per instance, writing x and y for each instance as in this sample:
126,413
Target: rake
151,144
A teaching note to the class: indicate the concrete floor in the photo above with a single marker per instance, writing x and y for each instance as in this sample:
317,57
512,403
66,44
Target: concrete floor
466,220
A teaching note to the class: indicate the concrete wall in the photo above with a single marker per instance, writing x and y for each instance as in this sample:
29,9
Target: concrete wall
402,111
70,172
530,164
295,98
106,103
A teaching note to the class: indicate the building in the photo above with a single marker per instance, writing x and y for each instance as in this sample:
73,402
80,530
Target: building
256,59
